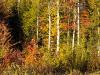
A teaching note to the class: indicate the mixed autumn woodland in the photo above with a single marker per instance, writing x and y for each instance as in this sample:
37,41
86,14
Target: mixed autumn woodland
49,37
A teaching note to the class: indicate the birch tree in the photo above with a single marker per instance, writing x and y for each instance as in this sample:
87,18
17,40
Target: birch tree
37,23
49,41
58,32
68,28
98,12
37,27
78,23
74,20
18,5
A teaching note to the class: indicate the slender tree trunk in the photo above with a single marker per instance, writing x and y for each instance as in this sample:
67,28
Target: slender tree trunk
98,30
98,42
18,2
74,20
78,24
37,28
58,33
68,27
99,35
68,34
49,41
73,40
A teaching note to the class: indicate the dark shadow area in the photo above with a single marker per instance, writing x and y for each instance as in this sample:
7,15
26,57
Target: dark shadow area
17,34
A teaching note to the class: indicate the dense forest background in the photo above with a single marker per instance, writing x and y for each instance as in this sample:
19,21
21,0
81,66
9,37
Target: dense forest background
49,37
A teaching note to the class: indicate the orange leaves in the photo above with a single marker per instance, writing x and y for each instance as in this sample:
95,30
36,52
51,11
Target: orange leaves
85,18
32,46
66,26
65,17
86,22
30,49
71,2
84,13
72,25
33,55
30,57
44,28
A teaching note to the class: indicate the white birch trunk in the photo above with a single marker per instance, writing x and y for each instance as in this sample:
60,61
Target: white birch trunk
78,24
49,38
37,28
73,40
98,31
37,25
74,20
98,47
99,36
98,42
18,2
68,28
58,33
68,34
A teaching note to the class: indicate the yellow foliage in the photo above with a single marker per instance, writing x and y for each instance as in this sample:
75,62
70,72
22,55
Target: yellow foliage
53,32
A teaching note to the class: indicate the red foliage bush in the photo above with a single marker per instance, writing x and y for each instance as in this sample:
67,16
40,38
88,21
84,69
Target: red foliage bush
65,17
15,56
70,26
